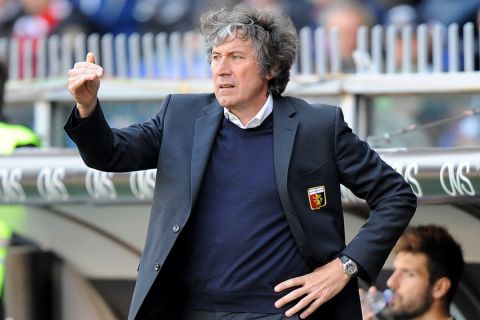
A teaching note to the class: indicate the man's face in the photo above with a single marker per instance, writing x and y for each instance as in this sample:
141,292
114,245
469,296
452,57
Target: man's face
412,292
236,76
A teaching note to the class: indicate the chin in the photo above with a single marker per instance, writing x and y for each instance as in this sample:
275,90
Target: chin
226,103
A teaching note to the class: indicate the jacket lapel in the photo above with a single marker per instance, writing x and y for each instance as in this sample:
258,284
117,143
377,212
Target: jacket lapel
206,128
284,133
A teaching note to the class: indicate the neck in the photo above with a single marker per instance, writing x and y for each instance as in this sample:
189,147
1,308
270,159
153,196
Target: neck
435,314
245,115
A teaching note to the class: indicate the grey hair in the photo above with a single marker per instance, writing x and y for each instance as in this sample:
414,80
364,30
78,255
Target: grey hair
273,38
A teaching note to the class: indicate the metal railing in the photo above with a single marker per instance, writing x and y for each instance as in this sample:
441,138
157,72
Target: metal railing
174,56
424,49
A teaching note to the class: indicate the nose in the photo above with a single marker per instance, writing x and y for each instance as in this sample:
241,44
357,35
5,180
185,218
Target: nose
221,67
392,281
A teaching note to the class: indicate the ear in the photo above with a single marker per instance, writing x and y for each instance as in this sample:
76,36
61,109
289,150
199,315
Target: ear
441,287
271,74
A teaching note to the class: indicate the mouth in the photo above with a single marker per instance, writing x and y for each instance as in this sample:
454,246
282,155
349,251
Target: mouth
393,299
226,86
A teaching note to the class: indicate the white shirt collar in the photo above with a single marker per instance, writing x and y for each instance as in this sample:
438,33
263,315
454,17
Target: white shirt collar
256,120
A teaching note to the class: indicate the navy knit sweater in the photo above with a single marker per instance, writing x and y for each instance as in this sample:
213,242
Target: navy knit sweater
238,239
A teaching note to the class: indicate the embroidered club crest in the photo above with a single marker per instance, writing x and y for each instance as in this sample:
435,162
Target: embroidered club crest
317,197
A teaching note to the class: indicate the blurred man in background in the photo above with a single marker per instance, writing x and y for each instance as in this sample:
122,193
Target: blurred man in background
428,266
346,17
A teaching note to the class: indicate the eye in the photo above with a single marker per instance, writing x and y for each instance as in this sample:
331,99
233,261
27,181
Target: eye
237,57
215,57
410,274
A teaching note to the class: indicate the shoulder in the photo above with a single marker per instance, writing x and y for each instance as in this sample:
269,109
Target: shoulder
186,104
309,111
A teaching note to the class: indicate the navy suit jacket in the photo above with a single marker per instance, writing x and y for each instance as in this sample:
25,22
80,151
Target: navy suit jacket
313,147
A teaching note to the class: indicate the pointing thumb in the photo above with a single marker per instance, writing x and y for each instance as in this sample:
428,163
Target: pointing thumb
90,57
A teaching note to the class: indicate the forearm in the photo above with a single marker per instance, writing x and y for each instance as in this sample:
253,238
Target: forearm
93,137
390,198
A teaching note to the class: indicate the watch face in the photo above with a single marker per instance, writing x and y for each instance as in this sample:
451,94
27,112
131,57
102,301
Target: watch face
350,268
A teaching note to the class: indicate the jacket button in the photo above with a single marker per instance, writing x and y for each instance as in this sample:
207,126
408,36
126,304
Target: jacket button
156,267
176,228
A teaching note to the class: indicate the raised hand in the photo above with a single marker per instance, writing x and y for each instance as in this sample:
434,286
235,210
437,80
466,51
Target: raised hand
83,84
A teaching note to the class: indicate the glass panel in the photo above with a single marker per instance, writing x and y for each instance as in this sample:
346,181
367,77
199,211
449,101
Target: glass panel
19,113
439,120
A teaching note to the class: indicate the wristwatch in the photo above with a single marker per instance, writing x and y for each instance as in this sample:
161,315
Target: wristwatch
349,266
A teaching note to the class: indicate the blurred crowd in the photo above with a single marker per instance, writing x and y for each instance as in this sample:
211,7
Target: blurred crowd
33,18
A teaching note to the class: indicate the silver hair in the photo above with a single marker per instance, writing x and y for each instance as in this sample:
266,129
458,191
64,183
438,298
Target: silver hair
273,38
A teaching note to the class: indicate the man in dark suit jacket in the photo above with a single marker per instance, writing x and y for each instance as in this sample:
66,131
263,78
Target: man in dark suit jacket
246,221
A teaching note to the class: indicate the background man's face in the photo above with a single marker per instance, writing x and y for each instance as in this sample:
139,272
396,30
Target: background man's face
412,294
